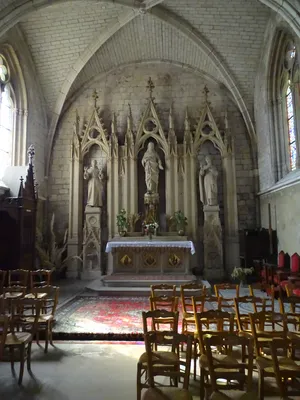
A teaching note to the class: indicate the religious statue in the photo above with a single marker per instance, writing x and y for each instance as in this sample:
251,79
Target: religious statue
152,164
95,177
208,176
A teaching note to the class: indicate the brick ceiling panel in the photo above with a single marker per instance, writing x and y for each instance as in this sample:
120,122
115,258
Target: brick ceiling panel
234,28
145,38
57,35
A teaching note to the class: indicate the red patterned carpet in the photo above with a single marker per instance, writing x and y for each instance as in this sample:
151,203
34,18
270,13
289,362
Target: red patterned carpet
101,318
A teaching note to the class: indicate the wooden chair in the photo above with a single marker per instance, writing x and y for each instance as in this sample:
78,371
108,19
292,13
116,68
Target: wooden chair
285,369
4,324
227,286
22,333
168,303
149,318
187,292
18,277
163,289
205,303
163,302
40,277
11,293
228,367
261,329
262,333
48,308
210,323
293,275
159,365
2,280
243,320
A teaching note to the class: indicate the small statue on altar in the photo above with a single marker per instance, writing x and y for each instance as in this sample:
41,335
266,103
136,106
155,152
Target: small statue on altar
95,179
152,164
208,187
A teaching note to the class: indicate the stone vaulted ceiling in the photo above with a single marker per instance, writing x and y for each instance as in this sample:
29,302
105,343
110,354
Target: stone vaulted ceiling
73,41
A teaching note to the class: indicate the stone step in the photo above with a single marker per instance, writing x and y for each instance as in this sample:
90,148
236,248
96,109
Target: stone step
122,285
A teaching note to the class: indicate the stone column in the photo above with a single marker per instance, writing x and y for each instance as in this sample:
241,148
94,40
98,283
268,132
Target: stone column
92,243
213,244
75,212
230,214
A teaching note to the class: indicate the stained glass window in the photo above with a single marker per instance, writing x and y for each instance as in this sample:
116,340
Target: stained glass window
291,128
6,130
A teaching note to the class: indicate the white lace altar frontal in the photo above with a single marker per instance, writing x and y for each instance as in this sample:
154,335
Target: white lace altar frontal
152,243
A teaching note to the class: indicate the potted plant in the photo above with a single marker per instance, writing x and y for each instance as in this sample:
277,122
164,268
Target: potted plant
132,220
179,221
240,274
52,254
122,222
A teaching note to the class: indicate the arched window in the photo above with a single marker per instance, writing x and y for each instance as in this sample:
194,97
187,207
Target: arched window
6,130
290,119
285,97
6,117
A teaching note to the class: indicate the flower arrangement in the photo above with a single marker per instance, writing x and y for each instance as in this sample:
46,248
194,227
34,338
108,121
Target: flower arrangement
240,273
151,228
122,222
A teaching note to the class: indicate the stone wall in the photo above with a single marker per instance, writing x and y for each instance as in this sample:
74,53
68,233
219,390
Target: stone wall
173,85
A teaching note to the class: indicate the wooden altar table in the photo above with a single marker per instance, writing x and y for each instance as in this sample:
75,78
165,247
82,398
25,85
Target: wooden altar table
142,256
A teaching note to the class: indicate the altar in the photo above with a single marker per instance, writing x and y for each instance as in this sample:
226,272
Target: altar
141,255
161,201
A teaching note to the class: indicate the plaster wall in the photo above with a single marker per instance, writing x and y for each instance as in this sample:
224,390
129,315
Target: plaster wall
173,85
285,209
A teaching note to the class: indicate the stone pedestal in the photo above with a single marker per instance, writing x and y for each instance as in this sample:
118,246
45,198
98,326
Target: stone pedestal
213,244
92,243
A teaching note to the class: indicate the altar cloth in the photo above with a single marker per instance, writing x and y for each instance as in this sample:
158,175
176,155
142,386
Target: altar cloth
152,243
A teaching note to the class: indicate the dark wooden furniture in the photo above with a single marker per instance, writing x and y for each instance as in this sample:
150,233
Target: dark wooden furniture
18,224
257,245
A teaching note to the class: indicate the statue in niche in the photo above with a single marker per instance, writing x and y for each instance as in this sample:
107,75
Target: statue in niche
152,164
208,187
95,179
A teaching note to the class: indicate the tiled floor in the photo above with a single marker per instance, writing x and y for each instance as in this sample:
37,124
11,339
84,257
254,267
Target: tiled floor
80,371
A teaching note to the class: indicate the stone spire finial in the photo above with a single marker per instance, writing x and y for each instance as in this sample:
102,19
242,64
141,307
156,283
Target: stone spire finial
171,121
187,126
30,153
150,86
113,124
226,121
95,97
129,119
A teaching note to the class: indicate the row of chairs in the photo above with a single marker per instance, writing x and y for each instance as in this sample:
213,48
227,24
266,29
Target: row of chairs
24,278
23,318
219,358
241,322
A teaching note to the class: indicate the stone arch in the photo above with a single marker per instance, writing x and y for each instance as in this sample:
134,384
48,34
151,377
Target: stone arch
19,95
185,29
278,78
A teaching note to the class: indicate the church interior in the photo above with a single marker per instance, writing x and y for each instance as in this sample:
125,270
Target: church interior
149,199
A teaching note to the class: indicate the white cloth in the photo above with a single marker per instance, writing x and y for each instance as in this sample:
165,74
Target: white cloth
186,244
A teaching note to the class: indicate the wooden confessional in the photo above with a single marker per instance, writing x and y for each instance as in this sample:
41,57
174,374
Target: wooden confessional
18,224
